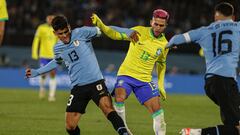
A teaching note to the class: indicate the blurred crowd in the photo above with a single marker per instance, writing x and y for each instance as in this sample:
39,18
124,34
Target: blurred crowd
26,15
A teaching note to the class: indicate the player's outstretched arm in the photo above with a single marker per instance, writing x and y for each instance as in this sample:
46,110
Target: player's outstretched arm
176,40
110,32
132,34
30,73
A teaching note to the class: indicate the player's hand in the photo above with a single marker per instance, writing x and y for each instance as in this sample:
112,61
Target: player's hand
163,94
134,37
29,73
96,20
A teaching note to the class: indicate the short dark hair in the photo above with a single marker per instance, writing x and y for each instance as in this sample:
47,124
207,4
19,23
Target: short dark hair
225,8
59,22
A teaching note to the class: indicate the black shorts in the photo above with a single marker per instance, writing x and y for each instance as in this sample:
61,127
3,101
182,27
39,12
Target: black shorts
81,95
224,92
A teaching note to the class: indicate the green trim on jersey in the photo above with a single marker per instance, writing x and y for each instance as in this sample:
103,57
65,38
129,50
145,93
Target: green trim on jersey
152,35
3,19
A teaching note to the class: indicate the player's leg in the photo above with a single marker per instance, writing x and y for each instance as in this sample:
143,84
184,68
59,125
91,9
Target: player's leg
72,119
42,90
52,86
148,95
76,106
102,99
153,106
224,92
42,81
121,92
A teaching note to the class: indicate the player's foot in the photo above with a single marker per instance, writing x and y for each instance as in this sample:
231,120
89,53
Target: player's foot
190,131
51,99
129,132
42,93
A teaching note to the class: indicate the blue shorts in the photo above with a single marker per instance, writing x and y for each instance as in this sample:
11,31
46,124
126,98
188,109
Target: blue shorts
142,90
43,61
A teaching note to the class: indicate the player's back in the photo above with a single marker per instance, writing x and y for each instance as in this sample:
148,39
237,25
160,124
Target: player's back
221,45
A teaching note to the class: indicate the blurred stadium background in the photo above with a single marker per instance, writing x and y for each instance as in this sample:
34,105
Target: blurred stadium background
185,68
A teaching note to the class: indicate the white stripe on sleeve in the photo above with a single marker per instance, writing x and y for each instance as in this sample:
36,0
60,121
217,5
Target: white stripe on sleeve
98,32
187,37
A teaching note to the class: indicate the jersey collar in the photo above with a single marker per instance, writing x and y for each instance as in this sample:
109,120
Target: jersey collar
152,35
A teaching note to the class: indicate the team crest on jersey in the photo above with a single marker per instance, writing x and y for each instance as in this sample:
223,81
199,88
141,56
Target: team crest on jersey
159,51
76,43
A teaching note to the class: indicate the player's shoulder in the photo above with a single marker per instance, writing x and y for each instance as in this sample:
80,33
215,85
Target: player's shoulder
82,31
139,28
84,28
59,46
42,26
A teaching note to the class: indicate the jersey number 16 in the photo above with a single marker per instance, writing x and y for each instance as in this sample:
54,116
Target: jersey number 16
221,41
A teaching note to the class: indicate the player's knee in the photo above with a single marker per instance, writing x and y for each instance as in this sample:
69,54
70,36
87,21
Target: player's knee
105,105
106,109
52,74
120,98
70,126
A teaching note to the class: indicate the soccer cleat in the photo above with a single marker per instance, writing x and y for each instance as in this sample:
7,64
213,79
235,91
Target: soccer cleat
51,99
190,131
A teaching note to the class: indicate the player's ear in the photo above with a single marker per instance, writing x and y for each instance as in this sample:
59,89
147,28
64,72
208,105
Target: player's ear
69,28
151,21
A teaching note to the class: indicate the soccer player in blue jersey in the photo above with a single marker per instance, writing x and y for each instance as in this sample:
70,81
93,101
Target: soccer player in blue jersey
76,51
221,45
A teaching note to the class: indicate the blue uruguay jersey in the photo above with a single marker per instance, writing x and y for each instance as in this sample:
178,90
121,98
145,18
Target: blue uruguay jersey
221,45
79,56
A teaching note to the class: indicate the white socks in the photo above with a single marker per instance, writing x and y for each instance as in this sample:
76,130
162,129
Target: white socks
42,91
120,109
159,125
52,89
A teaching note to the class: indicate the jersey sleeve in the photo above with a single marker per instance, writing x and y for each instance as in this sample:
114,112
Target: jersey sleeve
194,35
35,44
123,31
190,36
161,68
90,32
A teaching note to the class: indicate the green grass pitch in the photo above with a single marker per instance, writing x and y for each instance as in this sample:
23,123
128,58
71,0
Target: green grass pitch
22,113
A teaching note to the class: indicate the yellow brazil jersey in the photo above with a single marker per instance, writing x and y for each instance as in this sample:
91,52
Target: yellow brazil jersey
142,56
43,43
3,11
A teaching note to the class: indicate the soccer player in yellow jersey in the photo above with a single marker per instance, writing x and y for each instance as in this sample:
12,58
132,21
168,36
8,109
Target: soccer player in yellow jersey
3,18
42,50
135,73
